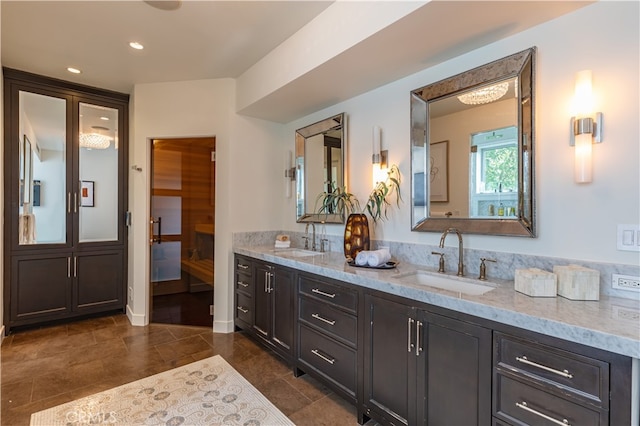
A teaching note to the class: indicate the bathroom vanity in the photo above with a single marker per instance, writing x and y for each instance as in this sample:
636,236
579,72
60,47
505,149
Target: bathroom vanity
406,353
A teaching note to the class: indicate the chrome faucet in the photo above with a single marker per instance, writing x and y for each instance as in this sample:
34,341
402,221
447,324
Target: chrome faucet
313,240
460,249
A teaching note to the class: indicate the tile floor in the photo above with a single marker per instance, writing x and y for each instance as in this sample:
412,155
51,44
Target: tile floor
49,366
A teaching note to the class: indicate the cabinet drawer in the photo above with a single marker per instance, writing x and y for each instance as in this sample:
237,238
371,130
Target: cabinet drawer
338,324
585,377
243,265
244,283
328,357
519,403
244,311
330,293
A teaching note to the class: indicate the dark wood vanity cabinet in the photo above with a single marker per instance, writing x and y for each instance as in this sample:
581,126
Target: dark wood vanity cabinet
273,320
244,288
554,382
402,362
264,303
424,368
327,325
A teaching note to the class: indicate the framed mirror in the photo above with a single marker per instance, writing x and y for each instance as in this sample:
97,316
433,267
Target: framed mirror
472,150
320,165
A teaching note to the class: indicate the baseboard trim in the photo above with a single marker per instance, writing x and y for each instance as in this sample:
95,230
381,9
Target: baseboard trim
135,319
223,326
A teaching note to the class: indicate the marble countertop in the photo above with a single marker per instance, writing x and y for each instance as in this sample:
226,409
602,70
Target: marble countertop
612,324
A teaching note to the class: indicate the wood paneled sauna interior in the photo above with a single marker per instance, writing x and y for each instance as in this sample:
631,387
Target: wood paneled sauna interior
182,229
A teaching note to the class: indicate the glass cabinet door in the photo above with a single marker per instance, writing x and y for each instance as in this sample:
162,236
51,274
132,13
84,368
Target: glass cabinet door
98,173
44,198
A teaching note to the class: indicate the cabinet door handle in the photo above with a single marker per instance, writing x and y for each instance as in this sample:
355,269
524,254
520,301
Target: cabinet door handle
319,355
243,284
68,202
564,373
319,318
271,280
409,327
322,293
241,266
418,346
75,202
243,310
68,267
75,266
266,282
523,405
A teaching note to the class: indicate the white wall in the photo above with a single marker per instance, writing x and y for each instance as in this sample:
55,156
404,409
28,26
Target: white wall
247,166
574,221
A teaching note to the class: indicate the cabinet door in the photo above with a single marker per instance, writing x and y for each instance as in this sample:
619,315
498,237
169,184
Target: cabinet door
99,281
262,312
389,359
282,293
456,370
40,287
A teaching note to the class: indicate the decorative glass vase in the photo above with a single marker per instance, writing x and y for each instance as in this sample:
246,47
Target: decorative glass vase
356,235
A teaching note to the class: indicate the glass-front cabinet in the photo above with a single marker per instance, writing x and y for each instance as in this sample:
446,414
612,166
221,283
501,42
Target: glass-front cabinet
65,199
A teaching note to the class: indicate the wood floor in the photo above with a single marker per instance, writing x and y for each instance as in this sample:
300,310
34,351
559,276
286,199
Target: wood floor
49,366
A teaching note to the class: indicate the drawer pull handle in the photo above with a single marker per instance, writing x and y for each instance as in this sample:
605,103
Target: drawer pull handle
241,266
523,405
565,373
243,284
322,293
319,355
243,310
319,318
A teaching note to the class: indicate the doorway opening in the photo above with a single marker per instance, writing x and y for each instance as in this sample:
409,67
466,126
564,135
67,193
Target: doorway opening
182,229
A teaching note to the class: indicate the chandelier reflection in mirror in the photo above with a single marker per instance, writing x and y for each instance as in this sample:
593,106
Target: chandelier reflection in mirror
484,95
95,140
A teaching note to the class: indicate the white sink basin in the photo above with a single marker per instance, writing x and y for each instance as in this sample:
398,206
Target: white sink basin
298,253
445,283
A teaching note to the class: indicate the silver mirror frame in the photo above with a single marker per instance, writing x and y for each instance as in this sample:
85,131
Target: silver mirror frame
522,66
336,123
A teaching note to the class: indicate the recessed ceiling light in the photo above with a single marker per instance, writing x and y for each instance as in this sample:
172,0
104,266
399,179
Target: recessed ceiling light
73,70
164,4
136,45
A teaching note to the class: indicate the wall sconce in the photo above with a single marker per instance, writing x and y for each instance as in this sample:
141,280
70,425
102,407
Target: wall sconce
289,174
379,158
585,130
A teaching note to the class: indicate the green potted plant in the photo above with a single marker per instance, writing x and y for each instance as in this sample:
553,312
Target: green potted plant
377,204
340,201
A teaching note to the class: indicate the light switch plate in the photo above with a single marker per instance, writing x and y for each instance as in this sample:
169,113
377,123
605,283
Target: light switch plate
628,237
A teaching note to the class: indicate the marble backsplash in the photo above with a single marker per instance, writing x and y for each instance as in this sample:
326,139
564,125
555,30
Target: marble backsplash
420,254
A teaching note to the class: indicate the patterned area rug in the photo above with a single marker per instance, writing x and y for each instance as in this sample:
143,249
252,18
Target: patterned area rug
207,392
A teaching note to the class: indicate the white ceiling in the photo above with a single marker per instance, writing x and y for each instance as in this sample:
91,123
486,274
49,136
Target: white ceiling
198,40
217,39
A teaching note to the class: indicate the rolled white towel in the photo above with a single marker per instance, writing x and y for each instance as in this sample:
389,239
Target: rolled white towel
362,258
378,257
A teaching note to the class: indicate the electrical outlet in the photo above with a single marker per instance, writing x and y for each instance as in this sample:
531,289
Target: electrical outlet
626,282
627,314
